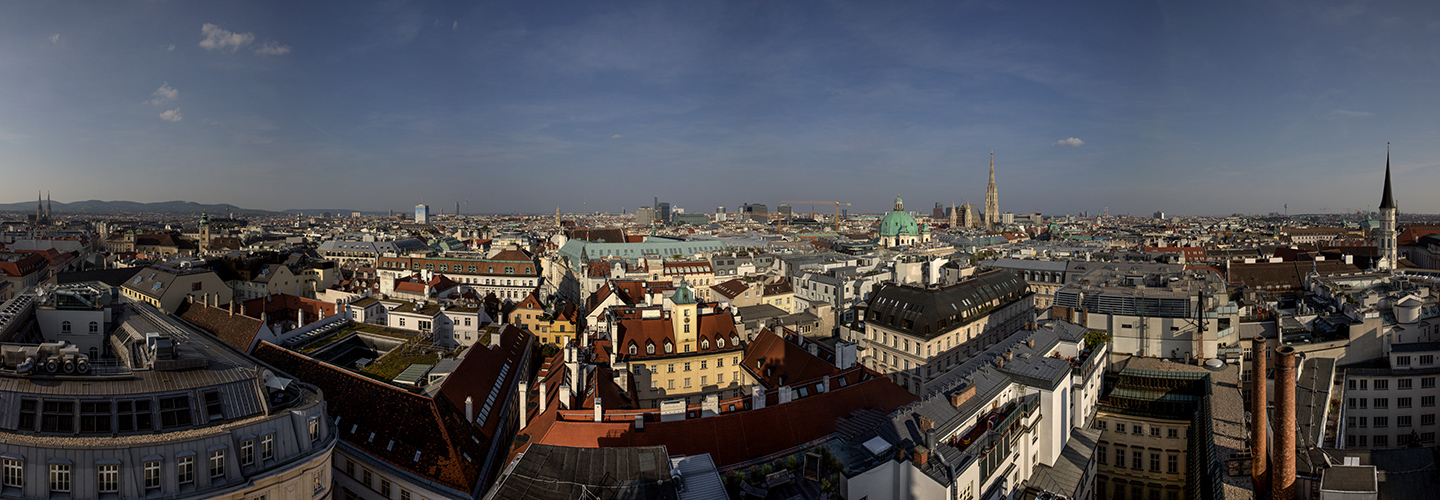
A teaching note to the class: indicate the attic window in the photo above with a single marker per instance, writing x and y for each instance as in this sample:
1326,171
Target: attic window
138,279
669,348
720,342
704,343
649,348
633,350
417,456
155,286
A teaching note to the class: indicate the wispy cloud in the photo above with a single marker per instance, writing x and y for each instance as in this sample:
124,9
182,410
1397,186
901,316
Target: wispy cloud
1073,142
1346,113
217,38
164,94
455,26
616,136
172,115
171,48
55,38
273,48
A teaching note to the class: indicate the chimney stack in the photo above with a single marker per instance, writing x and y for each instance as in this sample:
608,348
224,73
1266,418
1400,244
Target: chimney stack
1282,485
524,403
565,403
757,398
469,409
599,413
541,409
1259,417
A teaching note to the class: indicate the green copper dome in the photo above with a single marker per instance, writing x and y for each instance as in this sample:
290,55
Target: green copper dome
898,222
683,294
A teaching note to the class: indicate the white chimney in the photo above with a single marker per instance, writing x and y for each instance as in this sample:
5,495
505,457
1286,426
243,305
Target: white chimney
825,384
757,398
524,403
785,394
565,397
598,411
541,409
469,409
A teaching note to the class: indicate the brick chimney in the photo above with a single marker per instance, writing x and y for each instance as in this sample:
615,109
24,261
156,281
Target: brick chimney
1282,486
921,455
1259,417
959,397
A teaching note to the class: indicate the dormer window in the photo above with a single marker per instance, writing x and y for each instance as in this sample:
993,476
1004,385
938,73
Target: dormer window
633,350
720,342
669,348
649,348
704,343
735,340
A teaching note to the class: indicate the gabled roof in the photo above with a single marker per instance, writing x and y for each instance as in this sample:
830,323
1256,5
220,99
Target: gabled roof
238,330
639,332
776,361
731,289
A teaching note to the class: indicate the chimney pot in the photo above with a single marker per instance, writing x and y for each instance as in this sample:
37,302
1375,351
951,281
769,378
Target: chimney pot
469,409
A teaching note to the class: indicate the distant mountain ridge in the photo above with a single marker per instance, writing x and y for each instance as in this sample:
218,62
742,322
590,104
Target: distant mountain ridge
110,207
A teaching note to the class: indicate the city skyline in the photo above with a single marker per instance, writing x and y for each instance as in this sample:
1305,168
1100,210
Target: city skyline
1202,110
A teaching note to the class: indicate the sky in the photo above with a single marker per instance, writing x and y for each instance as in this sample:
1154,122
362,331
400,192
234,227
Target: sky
1197,108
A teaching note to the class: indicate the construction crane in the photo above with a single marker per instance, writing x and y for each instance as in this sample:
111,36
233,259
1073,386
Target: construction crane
837,209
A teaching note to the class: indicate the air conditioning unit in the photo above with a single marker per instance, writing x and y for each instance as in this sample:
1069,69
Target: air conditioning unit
82,363
52,364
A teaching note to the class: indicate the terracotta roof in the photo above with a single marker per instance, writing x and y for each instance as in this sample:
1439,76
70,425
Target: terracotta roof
599,235
731,289
733,438
238,330
780,288
426,436
1284,275
640,332
776,361
531,302
410,287
282,307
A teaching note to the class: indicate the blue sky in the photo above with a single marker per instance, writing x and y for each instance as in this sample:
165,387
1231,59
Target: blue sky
1186,107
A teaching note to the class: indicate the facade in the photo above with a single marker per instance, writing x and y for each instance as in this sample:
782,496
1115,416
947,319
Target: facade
1044,277
557,328
509,274
422,214
21,270
177,415
366,252
915,334
1008,423
685,351
1392,405
166,287
1152,310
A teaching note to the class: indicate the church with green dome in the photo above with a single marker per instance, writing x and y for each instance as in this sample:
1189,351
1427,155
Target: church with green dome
898,228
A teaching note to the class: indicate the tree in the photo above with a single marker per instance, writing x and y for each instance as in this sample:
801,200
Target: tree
1095,337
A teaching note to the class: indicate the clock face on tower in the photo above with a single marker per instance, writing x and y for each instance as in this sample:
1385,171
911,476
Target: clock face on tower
687,319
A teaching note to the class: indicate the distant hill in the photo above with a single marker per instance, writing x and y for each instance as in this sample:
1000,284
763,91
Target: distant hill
111,207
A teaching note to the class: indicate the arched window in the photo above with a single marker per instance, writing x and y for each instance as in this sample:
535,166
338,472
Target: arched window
94,327
64,327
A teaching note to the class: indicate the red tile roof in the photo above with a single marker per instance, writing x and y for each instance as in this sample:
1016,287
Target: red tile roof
731,289
284,307
640,332
238,330
776,361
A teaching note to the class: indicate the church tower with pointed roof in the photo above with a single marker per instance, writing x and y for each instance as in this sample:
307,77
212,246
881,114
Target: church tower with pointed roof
992,198
1385,241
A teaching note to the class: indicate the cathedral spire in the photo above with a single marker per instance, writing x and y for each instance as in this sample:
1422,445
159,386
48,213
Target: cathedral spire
1388,201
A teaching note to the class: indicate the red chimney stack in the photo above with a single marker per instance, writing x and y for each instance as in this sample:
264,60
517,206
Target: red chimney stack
1283,477
1259,418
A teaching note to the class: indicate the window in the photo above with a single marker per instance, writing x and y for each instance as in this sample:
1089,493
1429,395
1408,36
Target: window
94,327
247,453
1380,385
1382,440
1154,431
1102,455
1402,402
404,494
1120,427
1120,458
1399,361
314,429
1138,429
134,416
59,478
95,417
185,469
267,447
108,478
1137,460
65,328
1173,433
1363,383
318,477
1427,401
687,366
687,382
1154,462
152,474
670,368
670,384
212,406
1172,464
1382,422
1101,424
669,348
1403,384
57,416
1427,419
1427,382
385,488
1381,403
1402,421
1350,384
366,478
174,412
14,473
217,463
649,348
27,414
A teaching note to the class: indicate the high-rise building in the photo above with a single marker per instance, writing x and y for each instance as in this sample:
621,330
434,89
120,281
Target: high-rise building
938,212
664,211
784,209
1385,241
992,198
422,213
